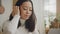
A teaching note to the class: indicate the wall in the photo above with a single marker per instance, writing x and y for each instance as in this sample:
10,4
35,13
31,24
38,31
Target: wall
8,8
39,11
58,10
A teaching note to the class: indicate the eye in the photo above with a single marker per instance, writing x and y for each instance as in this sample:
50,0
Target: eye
25,8
30,10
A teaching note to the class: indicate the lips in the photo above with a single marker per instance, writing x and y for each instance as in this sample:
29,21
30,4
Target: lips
27,16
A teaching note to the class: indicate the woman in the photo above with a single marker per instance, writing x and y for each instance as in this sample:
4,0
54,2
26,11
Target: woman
21,21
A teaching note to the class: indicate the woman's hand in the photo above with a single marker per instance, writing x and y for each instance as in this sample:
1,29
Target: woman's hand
15,10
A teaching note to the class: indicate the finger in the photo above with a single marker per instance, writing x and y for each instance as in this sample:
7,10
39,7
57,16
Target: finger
18,10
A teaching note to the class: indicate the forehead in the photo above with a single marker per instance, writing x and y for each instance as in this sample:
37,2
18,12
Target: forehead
27,4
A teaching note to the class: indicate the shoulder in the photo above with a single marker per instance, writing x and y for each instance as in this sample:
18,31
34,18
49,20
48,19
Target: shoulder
5,23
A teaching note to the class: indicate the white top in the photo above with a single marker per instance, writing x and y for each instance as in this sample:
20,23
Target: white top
10,27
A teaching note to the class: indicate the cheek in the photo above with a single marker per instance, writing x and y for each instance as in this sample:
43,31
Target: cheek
30,13
22,13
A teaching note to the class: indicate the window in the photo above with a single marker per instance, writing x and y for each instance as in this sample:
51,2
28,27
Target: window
49,11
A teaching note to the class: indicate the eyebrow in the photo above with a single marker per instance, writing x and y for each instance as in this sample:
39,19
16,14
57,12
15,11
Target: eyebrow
26,6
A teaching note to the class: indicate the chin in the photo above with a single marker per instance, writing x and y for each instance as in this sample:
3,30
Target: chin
26,18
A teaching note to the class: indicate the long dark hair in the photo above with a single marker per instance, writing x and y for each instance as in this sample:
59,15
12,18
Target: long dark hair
29,23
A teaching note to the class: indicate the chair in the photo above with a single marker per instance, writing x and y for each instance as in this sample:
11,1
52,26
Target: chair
54,31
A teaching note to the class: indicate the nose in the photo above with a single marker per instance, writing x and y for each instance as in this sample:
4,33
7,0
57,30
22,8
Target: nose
28,11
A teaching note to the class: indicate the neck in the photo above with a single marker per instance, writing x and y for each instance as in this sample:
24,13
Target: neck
22,21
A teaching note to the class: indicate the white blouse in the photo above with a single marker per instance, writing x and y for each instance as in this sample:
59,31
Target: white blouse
10,27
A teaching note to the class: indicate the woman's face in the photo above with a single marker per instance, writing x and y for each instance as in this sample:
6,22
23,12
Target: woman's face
25,10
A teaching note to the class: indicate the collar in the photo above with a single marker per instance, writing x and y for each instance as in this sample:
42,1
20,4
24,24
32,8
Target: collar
22,22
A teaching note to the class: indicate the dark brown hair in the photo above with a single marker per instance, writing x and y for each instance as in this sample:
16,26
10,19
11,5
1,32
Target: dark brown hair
30,23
